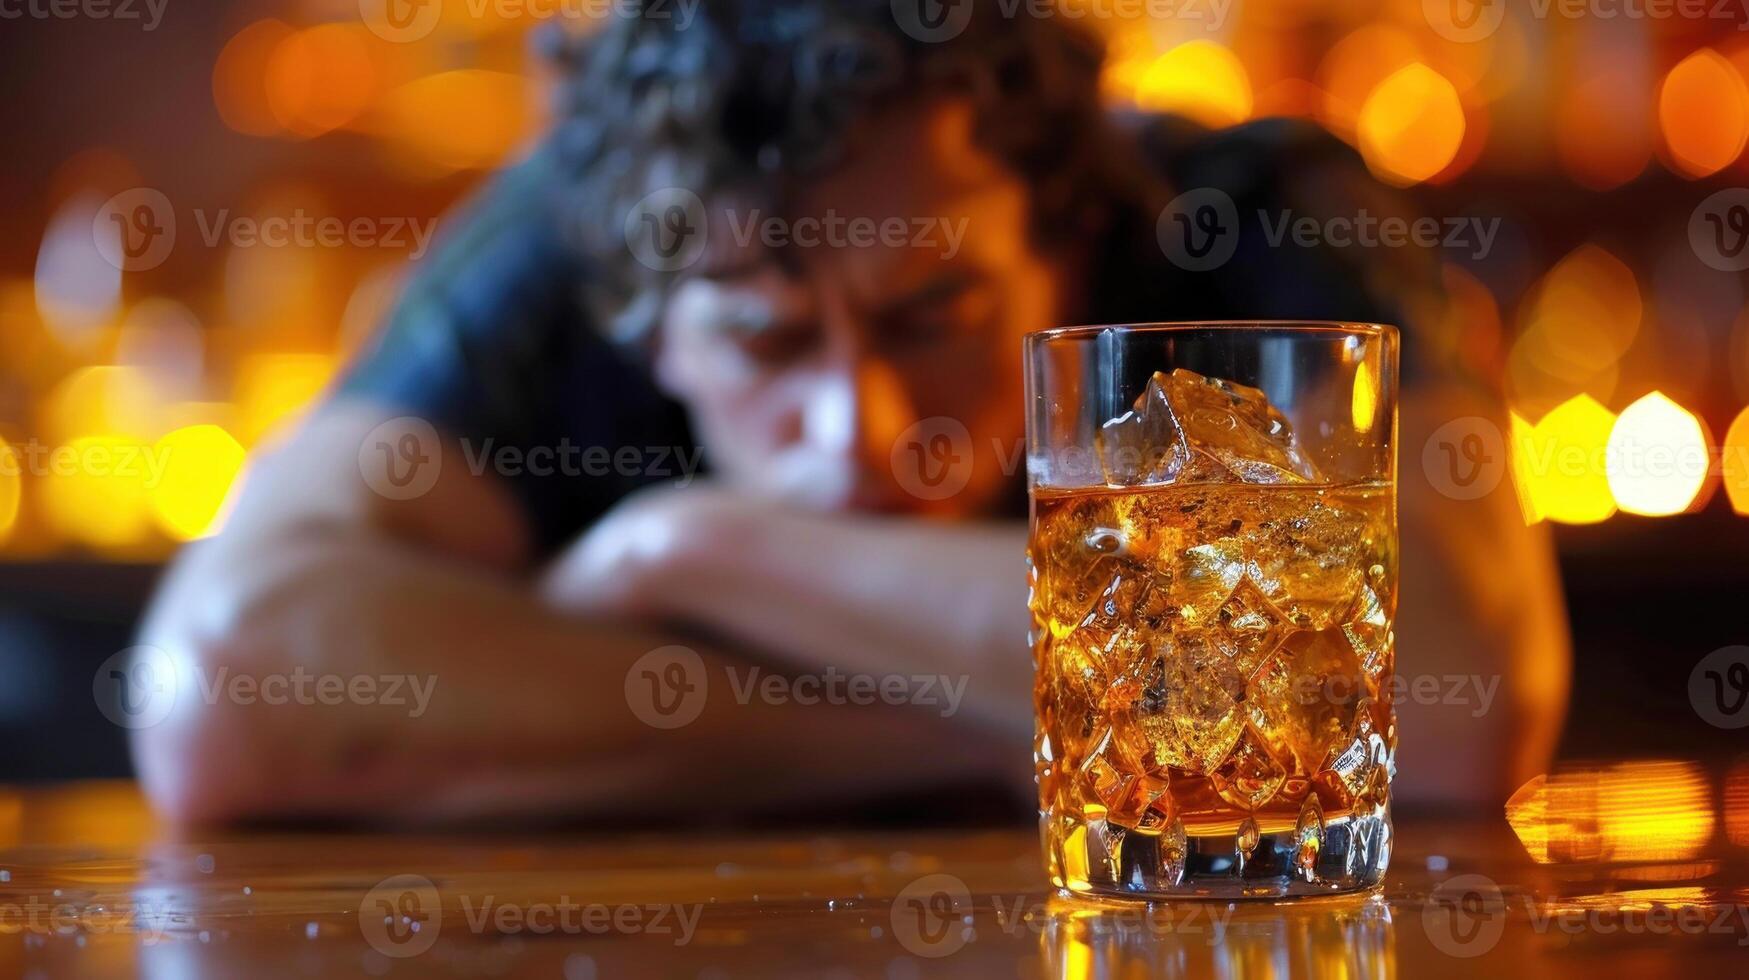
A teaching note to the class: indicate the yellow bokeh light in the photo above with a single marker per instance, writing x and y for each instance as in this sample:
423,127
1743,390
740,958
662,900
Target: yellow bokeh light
10,486
1703,111
1411,125
240,78
1632,811
1199,79
1734,463
1355,65
1658,457
96,488
200,463
1564,462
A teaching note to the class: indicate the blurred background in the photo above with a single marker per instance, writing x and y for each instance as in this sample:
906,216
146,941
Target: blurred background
175,283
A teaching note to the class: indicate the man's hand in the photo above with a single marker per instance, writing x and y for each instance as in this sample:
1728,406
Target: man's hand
635,559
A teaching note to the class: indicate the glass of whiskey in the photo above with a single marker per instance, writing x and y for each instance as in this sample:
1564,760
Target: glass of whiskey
1213,578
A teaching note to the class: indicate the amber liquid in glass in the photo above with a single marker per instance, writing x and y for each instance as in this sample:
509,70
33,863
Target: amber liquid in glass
1212,686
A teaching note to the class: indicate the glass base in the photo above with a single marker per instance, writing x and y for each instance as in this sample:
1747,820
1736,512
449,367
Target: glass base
1093,858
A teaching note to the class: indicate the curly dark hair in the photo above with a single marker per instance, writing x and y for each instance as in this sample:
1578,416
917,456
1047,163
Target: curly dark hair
755,97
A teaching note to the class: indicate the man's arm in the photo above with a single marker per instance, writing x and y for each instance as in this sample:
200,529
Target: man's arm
525,709
1481,607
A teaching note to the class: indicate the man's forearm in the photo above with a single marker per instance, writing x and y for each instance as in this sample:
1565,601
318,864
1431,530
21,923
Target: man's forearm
872,596
523,709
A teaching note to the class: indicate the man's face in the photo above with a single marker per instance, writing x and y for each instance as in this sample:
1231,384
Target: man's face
840,378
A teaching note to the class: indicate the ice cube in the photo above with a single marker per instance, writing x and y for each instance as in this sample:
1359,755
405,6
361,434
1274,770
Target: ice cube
1185,427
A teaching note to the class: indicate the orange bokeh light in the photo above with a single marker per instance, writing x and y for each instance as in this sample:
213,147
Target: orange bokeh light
1411,126
240,78
1734,463
1703,111
321,78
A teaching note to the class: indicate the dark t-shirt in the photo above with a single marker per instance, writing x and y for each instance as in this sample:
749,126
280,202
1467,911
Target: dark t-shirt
490,340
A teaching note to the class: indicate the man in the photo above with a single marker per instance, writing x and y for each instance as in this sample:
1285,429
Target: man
665,264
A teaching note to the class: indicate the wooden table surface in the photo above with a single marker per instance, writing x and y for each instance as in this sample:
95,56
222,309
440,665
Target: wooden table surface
90,885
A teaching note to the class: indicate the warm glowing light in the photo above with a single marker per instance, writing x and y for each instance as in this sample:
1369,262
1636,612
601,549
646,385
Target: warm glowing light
1412,125
1703,109
1563,461
1632,811
1523,469
200,462
320,78
1658,457
1603,128
1364,403
458,120
1199,79
1737,805
240,75
10,473
96,488
1354,67
273,388
1734,462
1587,312
101,398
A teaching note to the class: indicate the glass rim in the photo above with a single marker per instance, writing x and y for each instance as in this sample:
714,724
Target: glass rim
1342,327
